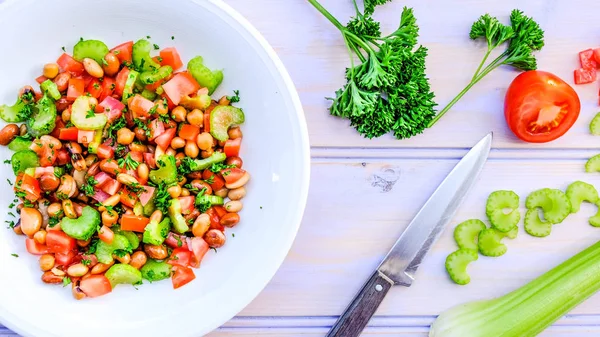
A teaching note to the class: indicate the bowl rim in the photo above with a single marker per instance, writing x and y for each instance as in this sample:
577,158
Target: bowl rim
20,326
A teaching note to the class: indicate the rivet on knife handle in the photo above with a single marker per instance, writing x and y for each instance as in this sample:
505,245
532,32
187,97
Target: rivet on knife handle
362,308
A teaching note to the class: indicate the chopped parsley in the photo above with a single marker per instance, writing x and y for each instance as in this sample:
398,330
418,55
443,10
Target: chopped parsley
90,113
129,162
162,199
66,281
88,188
156,47
86,262
15,255
92,246
217,167
172,37
235,98
7,161
142,125
136,188
114,127
63,49
166,118
9,182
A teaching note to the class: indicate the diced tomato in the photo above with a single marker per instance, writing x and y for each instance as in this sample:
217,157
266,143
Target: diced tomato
66,258
170,57
68,133
60,242
232,147
232,175
111,186
140,106
170,103
149,159
29,185
147,195
187,204
215,220
112,108
157,128
134,223
102,178
35,248
189,132
41,79
218,182
137,156
155,85
106,235
220,210
85,136
584,76
67,63
123,51
182,276
105,152
199,249
164,140
108,87
176,241
128,198
597,55
87,78
58,125
63,156
586,58
180,257
94,88
207,122
95,285
121,80
76,88
182,84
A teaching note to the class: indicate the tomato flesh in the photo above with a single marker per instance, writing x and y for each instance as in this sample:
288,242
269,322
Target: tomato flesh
587,60
95,285
182,276
540,107
584,76
59,242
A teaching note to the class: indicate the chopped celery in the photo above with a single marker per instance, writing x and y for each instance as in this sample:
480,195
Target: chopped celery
489,242
93,49
19,112
148,94
204,76
595,220
129,85
201,164
554,203
578,192
457,262
95,143
592,165
467,232
530,309
595,125
222,118
123,274
149,207
179,223
156,232
43,119
153,76
167,171
197,102
209,199
24,159
155,270
83,227
534,226
134,241
497,203
51,89
19,144
104,251
138,209
141,56
83,116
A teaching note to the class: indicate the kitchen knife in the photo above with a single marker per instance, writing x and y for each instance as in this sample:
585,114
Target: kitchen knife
401,263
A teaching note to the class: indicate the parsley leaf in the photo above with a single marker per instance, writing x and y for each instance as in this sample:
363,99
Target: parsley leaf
142,125
217,167
235,98
129,162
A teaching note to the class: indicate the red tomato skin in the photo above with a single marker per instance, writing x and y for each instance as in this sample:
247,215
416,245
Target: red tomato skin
59,242
130,222
584,76
182,276
199,249
182,84
597,55
120,81
94,88
76,88
123,51
218,182
232,175
170,57
532,84
68,64
68,133
587,60
165,139
176,241
65,259
232,147
180,257
95,285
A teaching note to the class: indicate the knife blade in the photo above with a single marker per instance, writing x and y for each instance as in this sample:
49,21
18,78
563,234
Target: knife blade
405,257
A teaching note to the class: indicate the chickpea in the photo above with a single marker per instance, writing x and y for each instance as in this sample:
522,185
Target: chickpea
125,136
31,221
196,117
237,194
40,237
233,206
101,268
138,259
92,67
143,171
50,70
204,141
156,216
54,209
222,192
49,277
240,182
201,225
112,64
178,158
138,147
17,228
171,151
83,243
235,133
215,238
179,114
185,192
62,81
46,262
23,130
207,153
161,107
109,218
69,209
125,259
235,161
191,149
174,191
49,182
8,133
77,270
68,186
110,166
140,134
177,143
156,252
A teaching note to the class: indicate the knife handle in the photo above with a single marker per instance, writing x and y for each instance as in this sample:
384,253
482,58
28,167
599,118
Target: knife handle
362,308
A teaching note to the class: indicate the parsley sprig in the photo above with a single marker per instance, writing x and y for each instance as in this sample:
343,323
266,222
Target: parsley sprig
129,162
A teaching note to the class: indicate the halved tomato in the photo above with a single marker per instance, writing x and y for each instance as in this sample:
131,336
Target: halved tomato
182,276
540,107
95,285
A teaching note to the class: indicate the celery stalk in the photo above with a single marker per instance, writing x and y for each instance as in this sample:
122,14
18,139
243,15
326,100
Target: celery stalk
530,309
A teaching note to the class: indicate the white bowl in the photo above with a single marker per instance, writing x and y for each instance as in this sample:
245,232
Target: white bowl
275,152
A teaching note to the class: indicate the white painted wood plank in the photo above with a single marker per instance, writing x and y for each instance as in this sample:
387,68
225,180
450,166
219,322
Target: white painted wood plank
314,54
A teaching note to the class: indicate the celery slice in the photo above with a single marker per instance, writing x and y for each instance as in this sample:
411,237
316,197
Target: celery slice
580,191
467,232
498,202
457,262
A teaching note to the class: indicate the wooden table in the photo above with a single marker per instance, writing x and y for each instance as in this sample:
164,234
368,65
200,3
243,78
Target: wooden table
364,192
